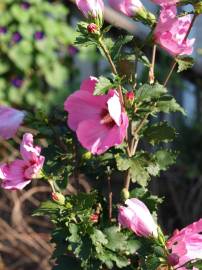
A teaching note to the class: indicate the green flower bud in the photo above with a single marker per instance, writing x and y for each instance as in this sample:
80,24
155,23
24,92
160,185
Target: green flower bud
87,155
125,194
58,198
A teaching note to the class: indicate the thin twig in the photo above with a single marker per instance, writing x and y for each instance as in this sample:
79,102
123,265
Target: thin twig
151,71
110,195
113,67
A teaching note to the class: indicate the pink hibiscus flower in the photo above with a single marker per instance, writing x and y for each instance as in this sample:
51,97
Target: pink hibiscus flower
127,7
170,32
166,2
92,8
137,217
99,121
10,120
20,172
186,244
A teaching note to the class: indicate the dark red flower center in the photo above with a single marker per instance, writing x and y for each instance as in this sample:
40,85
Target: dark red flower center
106,119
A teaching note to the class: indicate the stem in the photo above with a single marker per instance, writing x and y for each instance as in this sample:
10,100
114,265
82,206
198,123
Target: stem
175,63
151,71
107,54
110,195
170,73
133,148
52,186
113,67
127,180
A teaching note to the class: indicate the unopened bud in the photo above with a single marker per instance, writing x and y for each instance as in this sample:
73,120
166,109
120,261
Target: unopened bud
94,218
87,155
92,28
125,194
134,9
173,259
130,96
58,198
92,9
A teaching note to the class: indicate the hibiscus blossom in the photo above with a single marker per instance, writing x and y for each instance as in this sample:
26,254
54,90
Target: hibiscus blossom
166,2
171,31
99,121
19,173
186,244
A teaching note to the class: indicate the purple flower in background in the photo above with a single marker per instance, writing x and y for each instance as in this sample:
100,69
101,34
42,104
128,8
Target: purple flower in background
16,37
17,82
72,50
25,5
39,35
3,30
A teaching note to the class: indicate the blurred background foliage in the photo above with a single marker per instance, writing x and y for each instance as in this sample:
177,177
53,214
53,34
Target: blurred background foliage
36,53
39,67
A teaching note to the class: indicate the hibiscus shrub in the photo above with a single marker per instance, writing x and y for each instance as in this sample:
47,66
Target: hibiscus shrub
112,125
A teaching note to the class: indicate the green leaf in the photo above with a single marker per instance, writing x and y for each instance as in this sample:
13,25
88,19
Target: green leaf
121,41
48,207
140,166
116,239
158,133
184,63
149,92
165,158
169,106
98,237
102,86
74,231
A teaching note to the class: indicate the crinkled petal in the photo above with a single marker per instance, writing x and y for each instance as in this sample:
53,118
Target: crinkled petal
13,170
27,150
10,120
33,170
12,175
17,185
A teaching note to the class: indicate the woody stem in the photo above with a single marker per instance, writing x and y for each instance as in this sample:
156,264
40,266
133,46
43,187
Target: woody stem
113,67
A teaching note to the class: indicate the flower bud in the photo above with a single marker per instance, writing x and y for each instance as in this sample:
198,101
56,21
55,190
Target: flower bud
87,155
130,96
136,217
133,8
92,10
92,28
58,198
125,194
173,259
94,218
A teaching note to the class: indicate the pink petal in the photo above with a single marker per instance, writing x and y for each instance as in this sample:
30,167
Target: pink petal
10,120
114,107
12,175
27,150
17,185
33,170
98,138
89,84
82,106
13,170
